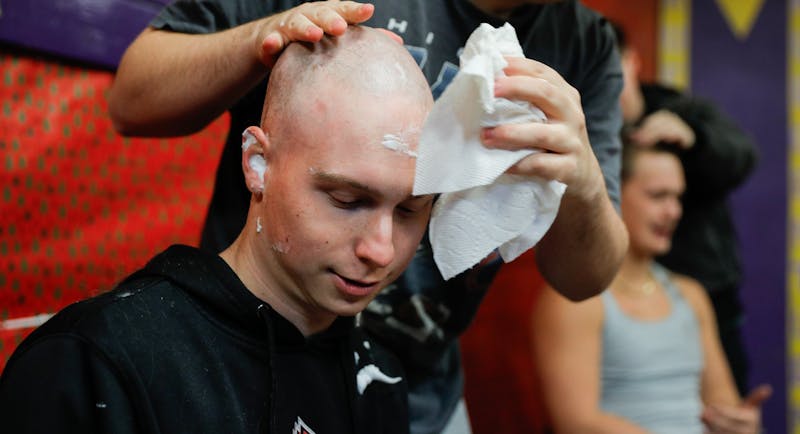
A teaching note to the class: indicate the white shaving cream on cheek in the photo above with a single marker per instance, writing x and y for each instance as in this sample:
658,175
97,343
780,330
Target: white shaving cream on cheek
280,248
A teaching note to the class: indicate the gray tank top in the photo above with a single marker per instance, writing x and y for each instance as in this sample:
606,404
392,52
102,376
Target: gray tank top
651,369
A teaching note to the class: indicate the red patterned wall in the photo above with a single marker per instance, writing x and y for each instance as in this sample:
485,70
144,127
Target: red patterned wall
500,380
80,206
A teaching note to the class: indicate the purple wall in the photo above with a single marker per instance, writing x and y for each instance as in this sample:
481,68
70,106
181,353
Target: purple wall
748,79
92,31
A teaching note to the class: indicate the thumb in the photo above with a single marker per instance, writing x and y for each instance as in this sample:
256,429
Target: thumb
757,396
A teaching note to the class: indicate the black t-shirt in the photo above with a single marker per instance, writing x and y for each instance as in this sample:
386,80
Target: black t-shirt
420,316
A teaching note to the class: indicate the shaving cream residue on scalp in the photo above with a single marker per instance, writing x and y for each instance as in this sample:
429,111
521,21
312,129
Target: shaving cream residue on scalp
401,74
399,143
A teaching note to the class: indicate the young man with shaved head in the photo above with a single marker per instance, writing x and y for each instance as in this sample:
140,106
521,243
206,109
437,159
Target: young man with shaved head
260,338
199,59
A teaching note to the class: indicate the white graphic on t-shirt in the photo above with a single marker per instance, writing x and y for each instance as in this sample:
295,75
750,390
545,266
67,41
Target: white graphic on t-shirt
446,75
400,26
420,54
371,373
428,327
429,38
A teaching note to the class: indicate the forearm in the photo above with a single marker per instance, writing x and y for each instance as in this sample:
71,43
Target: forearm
172,83
601,423
584,247
723,154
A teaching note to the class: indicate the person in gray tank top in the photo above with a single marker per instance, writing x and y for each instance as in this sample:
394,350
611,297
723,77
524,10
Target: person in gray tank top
644,356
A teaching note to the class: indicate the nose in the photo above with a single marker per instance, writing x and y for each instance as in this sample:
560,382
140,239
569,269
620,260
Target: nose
375,245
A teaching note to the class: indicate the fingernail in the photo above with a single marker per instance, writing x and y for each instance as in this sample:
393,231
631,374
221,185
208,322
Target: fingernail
487,134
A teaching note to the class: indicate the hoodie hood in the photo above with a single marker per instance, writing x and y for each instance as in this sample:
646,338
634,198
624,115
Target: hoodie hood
209,280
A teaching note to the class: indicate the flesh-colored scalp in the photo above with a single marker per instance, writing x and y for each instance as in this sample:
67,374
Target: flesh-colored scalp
363,61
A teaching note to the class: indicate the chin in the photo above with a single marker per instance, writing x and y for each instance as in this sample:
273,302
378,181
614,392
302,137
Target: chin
350,308
662,249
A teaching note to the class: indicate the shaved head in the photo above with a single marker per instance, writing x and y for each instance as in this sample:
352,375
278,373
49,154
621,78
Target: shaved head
363,63
332,217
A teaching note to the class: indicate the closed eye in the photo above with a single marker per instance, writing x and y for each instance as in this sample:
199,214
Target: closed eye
415,205
346,200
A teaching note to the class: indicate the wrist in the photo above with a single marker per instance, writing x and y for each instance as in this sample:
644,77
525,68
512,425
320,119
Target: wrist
253,37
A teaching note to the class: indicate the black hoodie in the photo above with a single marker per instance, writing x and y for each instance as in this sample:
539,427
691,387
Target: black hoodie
183,347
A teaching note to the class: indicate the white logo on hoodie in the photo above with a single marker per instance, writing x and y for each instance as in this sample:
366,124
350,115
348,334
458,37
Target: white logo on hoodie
300,427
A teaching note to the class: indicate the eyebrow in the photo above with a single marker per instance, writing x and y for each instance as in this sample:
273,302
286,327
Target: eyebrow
339,179
343,180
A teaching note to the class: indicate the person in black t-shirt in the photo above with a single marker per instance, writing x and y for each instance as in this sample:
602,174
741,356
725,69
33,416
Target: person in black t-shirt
199,59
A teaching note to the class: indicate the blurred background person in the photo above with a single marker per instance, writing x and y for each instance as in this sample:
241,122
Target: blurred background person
717,156
644,356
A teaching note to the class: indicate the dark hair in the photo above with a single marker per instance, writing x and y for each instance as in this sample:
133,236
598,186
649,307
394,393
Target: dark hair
631,150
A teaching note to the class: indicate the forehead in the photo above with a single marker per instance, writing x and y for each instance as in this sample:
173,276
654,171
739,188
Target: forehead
351,121
657,167
357,138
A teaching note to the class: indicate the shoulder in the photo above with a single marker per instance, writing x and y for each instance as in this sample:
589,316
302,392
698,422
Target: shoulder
574,12
553,309
694,293
104,320
74,359
577,26
592,29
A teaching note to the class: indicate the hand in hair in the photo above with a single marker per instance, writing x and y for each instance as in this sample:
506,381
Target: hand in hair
663,126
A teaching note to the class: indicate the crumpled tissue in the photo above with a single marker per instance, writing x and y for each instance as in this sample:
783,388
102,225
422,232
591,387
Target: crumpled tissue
481,207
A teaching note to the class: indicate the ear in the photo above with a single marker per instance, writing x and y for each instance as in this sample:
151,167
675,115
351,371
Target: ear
255,144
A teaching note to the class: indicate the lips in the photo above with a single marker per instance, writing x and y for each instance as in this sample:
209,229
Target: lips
355,288
663,230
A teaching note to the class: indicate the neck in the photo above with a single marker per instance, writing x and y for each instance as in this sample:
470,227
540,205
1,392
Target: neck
498,8
253,269
635,270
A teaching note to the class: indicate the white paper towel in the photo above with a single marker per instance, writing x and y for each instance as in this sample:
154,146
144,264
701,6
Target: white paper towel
481,208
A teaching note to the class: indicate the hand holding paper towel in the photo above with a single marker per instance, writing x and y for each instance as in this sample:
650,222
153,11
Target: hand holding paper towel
481,208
